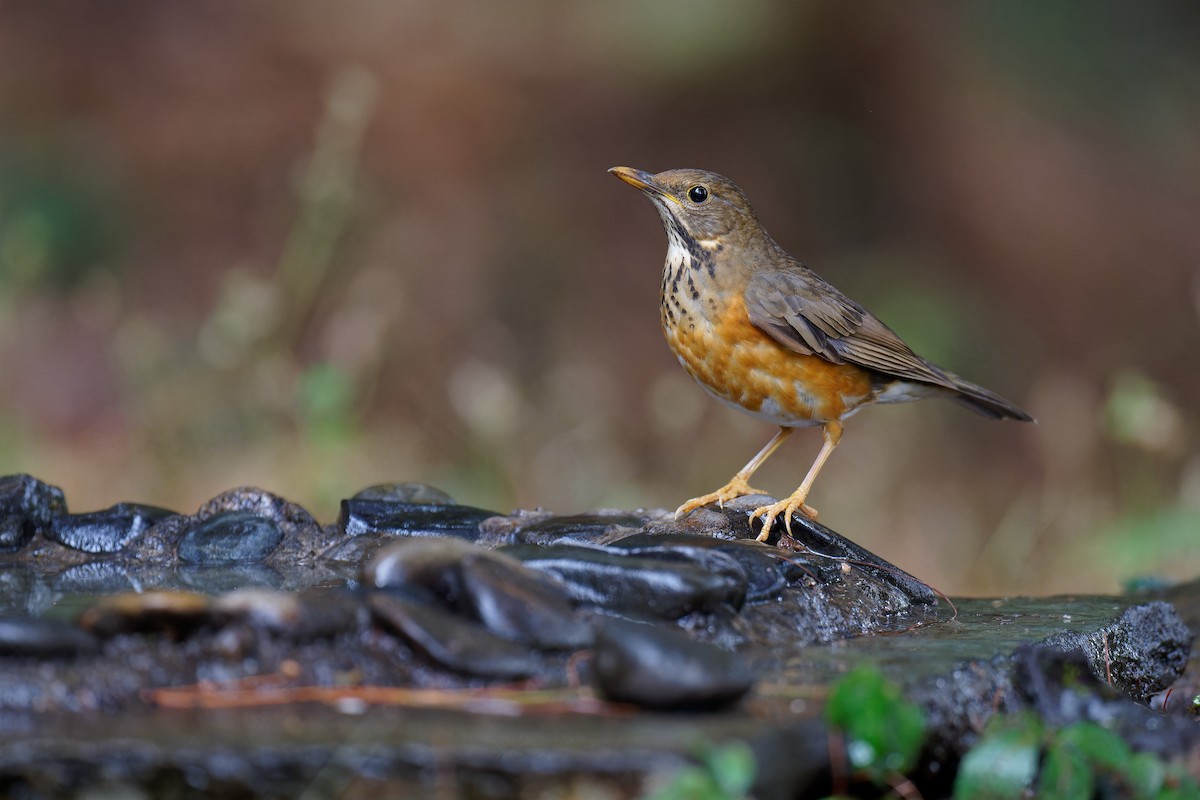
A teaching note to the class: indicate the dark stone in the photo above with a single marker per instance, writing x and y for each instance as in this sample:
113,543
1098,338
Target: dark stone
1060,688
357,550
580,528
410,519
106,531
175,614
299,616
450,641
521,604
1143,652
27,507
230,536
629,584
432,563
411,493
661,667
808,538
259,503
43,638
767,570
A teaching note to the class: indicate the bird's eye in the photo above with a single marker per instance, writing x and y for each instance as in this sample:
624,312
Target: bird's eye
697,194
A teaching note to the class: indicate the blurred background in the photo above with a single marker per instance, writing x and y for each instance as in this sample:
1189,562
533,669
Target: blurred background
312,246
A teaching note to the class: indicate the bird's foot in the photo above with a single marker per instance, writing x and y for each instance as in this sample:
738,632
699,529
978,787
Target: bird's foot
787,507
737,487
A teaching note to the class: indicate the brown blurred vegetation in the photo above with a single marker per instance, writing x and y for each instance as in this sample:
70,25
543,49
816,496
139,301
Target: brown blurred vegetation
312,246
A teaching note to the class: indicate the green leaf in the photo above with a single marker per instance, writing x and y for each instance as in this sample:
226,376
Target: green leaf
1097,744
724,773
1066,774
732,767
1003,763
883,730
1145,775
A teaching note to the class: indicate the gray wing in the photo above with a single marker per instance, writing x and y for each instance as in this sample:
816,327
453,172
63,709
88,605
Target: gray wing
803,313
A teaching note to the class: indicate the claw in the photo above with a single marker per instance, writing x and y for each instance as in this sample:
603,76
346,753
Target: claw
768,515
737,487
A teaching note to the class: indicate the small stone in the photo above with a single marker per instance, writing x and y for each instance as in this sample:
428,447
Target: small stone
106,531
521,604
298,616
265,608
660,667
159,611
229,537
624,583
410,519
450,641
430,562
768,570
411,493
27,507
578,529
43,638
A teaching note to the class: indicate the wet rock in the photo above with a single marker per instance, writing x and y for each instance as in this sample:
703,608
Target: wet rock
230,536
767,570
577,529
260,503
1059,687
432,563
27,507
1143,652
411,493
825,549
521,604
173,613
360,517
43,638
106,531
630,584
450,641
659,667
265,608
510,599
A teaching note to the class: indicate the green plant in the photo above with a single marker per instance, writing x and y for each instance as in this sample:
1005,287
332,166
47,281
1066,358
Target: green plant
725,772
882,730
1018,754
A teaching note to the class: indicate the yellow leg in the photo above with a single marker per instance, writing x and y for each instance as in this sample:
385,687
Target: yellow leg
739,485
833,433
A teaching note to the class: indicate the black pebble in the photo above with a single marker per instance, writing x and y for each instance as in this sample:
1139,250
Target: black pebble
661,667
450,641
410,519
106,531
619,582
228,537
521,604
26,508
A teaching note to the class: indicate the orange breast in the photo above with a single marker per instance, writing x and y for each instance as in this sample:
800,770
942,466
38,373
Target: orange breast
743,366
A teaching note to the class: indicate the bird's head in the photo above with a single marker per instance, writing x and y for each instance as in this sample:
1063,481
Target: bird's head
706,207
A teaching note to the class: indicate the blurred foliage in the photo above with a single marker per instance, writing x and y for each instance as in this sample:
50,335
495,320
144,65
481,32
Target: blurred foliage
314,250
1017,754
56,224
725,772
883,731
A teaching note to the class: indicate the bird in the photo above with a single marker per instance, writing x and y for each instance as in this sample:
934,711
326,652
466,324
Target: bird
765,334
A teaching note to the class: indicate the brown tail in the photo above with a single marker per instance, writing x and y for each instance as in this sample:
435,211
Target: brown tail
986,402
